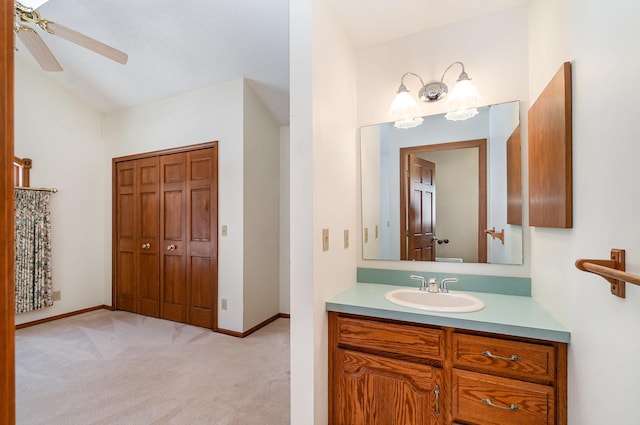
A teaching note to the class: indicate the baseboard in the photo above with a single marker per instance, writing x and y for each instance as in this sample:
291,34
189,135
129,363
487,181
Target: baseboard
62,316
108,307
255,328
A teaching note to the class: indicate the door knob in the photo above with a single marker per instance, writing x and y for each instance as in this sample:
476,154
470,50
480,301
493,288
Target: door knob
171,247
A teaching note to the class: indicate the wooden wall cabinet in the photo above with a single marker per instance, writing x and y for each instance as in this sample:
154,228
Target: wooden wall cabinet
388,372
550,157
165,234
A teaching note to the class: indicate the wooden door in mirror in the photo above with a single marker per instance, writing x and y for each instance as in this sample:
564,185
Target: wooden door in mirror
21,168
550,169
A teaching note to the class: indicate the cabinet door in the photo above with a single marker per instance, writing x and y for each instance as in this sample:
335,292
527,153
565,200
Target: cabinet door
375,390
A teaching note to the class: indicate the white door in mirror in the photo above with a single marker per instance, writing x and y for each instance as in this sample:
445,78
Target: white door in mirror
449,302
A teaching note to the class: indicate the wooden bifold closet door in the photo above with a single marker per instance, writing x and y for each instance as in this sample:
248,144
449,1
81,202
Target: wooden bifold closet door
165,235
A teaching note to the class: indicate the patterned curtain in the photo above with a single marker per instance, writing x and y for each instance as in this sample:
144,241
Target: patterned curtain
34,288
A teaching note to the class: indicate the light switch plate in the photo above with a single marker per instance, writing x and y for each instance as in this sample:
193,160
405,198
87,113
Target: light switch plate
224,230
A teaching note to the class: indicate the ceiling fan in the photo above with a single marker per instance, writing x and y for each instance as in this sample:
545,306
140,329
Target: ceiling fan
37,47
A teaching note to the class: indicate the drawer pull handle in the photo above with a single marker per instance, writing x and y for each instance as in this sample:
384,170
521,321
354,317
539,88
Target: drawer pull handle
513,358
437,392
488,402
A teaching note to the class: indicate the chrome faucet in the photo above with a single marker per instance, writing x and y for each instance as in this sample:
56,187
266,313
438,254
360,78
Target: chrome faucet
432,286
443,283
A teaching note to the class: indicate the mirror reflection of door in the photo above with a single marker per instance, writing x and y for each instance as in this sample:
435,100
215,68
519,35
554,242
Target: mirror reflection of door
462,201
421,209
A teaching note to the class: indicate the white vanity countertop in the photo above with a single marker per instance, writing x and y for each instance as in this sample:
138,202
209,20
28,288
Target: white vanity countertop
502,314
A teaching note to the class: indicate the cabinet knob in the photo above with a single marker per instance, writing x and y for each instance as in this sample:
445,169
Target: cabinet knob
146,245
171,247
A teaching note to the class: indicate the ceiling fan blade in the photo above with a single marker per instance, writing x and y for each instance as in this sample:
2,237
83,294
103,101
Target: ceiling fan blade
36,46
87,42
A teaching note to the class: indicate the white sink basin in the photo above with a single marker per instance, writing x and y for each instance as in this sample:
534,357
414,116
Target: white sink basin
450,302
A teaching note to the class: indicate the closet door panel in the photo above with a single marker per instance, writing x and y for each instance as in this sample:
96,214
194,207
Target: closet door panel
201,215
173,215
202,224
174,283
147,221
126,281
148,284
174,270
125,227
201,302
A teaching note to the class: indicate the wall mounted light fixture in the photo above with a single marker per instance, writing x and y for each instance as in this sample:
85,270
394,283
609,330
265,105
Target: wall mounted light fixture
461,103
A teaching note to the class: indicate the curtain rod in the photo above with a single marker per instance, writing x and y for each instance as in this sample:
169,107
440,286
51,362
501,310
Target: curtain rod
41,189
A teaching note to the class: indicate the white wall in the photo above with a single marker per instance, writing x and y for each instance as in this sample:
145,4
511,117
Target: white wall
503,120
457,195
261,212
62,136
497,64
370,160
285,252
601,39
323,184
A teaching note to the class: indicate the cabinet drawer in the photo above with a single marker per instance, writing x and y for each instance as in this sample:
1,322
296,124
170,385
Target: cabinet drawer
484,399
390,338
531,362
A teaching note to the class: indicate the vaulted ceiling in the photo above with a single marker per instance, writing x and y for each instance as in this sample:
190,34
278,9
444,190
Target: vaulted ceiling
177,46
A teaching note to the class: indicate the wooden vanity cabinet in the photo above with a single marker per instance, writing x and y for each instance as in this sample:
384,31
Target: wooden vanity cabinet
384,373
390,372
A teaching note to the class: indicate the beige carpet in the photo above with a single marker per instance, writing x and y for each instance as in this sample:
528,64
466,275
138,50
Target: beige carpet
109,367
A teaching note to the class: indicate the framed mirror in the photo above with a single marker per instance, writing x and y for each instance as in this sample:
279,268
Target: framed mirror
445,190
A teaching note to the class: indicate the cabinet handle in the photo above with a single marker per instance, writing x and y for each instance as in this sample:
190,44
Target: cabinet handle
488,402
513,358
171,247
146,245
436,390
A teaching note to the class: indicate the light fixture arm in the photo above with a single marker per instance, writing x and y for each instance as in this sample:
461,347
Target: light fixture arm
403,87
463,75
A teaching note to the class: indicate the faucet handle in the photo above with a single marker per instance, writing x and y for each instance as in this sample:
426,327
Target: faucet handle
423,282
443,283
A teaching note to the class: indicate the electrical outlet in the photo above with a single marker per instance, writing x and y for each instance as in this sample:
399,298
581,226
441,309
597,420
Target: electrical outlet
57,295
223,303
